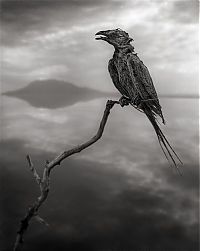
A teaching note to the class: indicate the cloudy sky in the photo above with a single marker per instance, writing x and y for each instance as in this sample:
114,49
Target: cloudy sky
121,193
55,39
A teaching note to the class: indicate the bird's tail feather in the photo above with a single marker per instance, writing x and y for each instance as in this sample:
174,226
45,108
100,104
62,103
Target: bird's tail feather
164,143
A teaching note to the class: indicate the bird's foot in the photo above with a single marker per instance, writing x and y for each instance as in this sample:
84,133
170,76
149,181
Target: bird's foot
123,101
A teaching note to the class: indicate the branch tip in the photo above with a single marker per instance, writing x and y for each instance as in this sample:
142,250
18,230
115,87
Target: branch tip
40,220
28,157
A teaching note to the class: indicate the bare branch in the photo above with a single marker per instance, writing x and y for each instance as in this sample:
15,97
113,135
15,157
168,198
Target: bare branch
44,183
79,148
33,170
40,220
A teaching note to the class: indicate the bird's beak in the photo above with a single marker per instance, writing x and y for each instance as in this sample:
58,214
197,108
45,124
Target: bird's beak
130,39
102,35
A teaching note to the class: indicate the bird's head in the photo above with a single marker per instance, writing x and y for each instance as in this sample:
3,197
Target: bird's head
118,38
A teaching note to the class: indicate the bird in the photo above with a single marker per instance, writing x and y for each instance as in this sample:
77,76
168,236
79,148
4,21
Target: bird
133,80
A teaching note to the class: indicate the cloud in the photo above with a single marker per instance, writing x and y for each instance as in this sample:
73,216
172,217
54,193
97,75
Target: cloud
40,35
31,18
184,11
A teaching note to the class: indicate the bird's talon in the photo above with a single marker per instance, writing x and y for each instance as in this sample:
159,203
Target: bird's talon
122,105
123,101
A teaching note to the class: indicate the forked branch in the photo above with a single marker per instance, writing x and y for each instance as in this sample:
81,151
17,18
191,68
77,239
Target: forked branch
44,181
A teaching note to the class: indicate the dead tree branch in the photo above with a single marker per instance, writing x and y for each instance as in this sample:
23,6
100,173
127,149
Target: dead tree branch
44,182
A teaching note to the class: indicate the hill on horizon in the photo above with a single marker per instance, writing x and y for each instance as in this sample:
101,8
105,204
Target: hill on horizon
54,94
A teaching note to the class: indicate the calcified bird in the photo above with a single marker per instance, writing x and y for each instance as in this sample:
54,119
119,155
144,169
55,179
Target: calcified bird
131,77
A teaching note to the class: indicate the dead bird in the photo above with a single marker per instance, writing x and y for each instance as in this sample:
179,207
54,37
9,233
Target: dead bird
133,80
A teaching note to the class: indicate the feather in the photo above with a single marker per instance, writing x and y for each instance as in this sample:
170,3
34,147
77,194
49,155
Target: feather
167,149
140,75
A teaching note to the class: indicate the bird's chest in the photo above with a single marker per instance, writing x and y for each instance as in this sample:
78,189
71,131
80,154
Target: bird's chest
125,74
121,65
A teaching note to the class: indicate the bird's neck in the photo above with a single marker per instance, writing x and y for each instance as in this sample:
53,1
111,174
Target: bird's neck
123,50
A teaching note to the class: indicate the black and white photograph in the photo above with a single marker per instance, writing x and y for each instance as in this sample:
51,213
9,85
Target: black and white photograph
99,112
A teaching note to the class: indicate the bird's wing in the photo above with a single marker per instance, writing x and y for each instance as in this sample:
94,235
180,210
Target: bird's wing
141,76
115,78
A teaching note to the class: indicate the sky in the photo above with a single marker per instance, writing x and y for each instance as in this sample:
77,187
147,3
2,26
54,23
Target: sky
55,39
121,193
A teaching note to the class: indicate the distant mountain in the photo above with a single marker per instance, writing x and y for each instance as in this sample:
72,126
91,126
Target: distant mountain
54,94
180,96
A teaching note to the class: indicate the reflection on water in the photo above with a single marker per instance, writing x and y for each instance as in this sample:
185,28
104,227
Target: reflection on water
101,194
51,130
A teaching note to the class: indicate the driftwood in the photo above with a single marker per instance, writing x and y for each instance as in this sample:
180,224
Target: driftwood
44,181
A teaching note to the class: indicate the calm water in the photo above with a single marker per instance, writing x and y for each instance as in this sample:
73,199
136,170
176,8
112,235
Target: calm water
119,194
